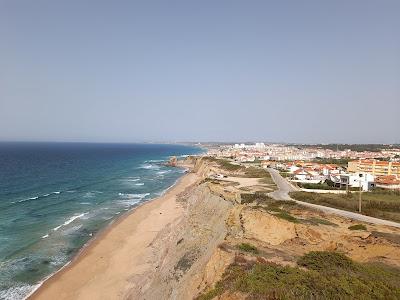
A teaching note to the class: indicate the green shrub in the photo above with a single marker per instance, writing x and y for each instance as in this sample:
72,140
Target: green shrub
258,197
317,221
286,216
247,248
328,275
358,227
256,172
210,180
224,164
321,260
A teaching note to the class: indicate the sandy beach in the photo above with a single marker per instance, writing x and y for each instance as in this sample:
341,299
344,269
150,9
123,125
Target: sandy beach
106,268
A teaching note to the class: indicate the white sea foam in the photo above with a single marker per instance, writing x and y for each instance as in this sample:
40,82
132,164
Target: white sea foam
88,195
36,197
45,236
163,172
91,194
131,199
149,166
134,196
154,160
17,292
72,229
139,183
133,180
70,220
28,199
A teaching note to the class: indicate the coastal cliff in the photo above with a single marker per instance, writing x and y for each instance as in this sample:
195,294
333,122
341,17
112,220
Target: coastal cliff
217,234
228,226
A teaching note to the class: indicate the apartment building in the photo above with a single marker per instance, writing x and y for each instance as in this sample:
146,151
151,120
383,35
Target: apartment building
374,167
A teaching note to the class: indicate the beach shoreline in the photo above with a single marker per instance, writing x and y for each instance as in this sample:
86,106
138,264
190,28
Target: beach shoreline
63,284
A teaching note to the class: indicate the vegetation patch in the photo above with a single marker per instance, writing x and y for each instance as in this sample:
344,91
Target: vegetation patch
257,197
325,275
378,203
321,260
358,227
210,180
393,237
319,221
322,186
227,165
285,174
186,261
224,164
247,248
253,172
287,216
267,180
271,205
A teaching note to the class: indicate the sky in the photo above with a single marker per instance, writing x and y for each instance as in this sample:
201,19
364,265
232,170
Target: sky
140,71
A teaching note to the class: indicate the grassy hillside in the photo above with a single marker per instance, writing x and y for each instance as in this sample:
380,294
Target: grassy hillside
323,275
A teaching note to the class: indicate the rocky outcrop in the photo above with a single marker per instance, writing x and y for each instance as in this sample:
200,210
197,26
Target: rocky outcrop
172,162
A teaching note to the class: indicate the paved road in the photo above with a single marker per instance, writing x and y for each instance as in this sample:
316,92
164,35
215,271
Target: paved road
284,187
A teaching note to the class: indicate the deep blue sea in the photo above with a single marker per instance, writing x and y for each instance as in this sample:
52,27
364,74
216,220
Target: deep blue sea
55,197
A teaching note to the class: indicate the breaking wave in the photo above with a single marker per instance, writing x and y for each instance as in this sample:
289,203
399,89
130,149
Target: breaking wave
70,220
37,197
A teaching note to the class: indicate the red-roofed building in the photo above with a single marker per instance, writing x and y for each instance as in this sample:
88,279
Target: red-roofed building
375,167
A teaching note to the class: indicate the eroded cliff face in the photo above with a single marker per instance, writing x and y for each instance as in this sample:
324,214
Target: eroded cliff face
182,250
191,255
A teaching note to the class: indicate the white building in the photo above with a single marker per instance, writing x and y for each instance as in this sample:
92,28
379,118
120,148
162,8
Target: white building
365,180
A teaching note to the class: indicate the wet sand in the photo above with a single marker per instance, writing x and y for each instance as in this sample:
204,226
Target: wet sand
106,268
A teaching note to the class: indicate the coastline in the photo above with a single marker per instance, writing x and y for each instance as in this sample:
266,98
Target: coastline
72,280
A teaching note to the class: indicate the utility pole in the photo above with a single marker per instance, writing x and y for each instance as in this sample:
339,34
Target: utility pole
359,199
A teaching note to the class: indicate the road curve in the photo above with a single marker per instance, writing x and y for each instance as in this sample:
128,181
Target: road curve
284,187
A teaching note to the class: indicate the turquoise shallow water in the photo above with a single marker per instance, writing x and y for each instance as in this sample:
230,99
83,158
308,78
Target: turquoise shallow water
55,197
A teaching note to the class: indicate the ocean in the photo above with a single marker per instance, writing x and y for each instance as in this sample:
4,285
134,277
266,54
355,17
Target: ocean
54,197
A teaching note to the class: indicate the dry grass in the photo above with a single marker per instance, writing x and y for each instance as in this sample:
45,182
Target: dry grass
379,204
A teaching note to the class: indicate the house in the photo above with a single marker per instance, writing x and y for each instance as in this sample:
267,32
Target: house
293,168
307,176
364,180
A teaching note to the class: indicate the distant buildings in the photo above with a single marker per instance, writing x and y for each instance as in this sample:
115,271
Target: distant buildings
305,164
375,167
279,152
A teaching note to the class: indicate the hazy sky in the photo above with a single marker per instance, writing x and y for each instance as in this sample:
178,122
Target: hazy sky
123,71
